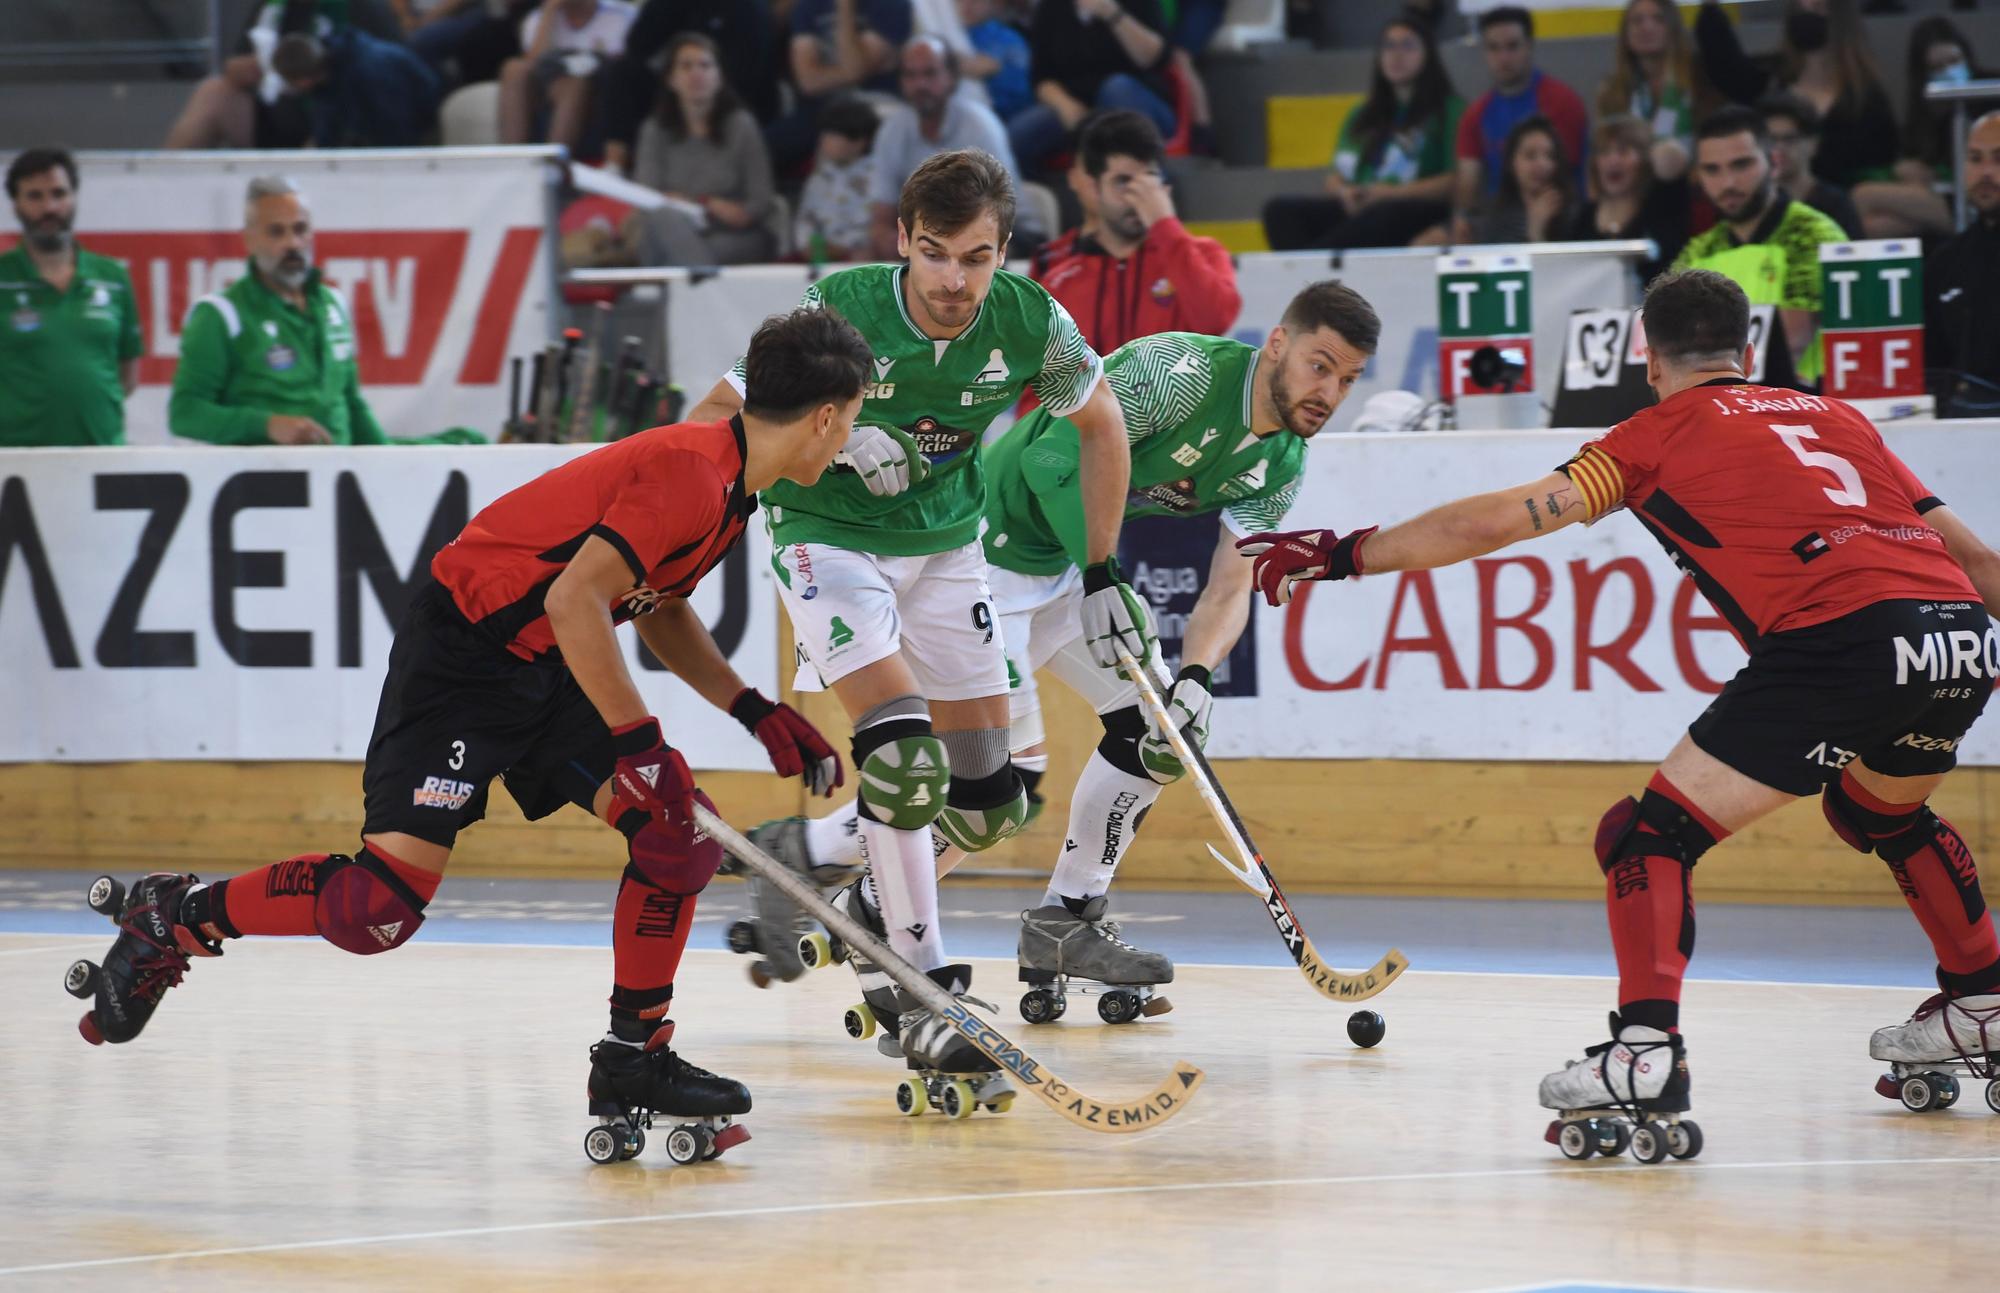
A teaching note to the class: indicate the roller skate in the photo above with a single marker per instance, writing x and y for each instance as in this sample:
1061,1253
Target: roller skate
1625,1093
878,1014
631,1082
947,1072
1947,1037
778,926
1063,951
150,955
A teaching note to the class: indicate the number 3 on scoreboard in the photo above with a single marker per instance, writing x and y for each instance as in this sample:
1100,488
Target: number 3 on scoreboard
1852,493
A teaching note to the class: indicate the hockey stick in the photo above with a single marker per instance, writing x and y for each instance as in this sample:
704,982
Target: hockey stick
1254,874
1087,1112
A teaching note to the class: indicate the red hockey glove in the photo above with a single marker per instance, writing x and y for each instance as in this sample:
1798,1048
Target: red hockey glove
651,777
1284,557
795,746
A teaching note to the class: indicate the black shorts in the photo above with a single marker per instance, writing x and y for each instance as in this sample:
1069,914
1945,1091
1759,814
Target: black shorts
1896,685
459,709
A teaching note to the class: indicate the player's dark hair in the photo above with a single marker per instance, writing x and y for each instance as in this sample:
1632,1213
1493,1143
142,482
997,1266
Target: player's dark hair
298,57
951,190
1734,120
1333,304
801,360
37,160
1695,314
1119,133
1792,108
1508,13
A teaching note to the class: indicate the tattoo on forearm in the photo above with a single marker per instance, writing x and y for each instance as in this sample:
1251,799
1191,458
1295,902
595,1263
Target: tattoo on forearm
1560,501
1535,514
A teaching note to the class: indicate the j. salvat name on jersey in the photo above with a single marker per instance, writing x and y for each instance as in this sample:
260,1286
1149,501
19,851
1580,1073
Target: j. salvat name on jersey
1947,656
442,792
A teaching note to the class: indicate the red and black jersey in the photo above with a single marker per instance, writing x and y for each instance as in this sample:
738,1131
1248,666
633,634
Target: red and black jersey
1787,509
671,500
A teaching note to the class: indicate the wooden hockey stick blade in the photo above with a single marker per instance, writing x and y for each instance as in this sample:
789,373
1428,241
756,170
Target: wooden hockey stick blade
1087,1112
1350,987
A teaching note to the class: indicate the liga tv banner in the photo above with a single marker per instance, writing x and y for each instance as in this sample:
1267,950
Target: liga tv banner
1872,318
439,252
1587,644
167,603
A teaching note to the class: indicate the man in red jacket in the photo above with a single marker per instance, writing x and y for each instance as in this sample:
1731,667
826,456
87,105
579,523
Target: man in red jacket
1133,269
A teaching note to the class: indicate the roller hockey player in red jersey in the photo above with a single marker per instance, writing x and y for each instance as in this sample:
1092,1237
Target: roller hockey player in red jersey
508,665
1858,595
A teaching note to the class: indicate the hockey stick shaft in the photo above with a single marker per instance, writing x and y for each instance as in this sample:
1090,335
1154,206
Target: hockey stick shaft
1151,1109
1255,873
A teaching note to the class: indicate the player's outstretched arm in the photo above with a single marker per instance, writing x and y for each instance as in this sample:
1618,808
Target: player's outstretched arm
674,633
720,403
1106,462
1222,610
1982,564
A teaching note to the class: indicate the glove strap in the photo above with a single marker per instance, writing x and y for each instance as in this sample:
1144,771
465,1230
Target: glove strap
750,708
1346,554
637,738
1194,673
1101,576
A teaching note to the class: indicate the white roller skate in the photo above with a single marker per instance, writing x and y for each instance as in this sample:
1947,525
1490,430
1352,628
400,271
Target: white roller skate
1927,1053
1063,952
779,933
1626,1093
948,1073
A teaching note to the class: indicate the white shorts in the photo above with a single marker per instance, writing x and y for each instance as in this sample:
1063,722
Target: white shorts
850,609
1039,620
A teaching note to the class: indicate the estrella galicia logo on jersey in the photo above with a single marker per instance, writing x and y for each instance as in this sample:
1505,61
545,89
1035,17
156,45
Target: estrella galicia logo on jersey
1947,656
442,792
1175,495
937,441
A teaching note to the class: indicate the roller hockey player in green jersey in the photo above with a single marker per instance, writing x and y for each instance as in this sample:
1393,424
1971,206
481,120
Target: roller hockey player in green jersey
1215,425
881,572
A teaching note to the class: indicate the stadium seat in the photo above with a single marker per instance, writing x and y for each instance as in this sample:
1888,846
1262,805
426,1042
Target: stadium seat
1301,129
471,116
1250,22
1040,199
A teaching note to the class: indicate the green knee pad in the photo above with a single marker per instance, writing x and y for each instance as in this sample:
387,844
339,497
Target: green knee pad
978,829
904,782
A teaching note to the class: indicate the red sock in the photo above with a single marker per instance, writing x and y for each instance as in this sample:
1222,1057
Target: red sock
280,898
648,934
1651,909
1935,871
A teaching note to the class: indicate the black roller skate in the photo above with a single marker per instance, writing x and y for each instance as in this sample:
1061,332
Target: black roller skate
150,955
1629,1092
630,1083
948,1073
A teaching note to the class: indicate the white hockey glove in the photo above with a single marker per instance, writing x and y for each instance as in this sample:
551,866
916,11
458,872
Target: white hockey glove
1114,616
1188,704
886,458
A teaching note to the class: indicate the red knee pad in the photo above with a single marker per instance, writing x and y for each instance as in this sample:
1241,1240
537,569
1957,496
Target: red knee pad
677,856
363,907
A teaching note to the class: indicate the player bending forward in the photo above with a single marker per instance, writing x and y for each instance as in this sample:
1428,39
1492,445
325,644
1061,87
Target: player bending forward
880,570
507,665
1858,595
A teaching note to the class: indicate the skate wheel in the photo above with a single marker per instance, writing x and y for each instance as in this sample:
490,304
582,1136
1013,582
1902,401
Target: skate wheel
1576,1140
1156,1006
956,1100
635,1144
1947,1089
1613,1138
859,1021
911,1098
106,896
1039,1006
1917,1093
603,1145
1118,1007
1000,1104
81,980
1993,1095
729,1138
742,936
815,952
684,1144
88,1027
1684,1139
1649,1142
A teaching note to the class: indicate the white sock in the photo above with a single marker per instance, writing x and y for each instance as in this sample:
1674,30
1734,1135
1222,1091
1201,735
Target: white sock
1103,817
903,867
831,839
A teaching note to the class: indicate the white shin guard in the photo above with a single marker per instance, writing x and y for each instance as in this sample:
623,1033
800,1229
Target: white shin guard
1103,817
903,865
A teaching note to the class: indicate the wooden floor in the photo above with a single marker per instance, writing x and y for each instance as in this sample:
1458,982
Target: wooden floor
301,1118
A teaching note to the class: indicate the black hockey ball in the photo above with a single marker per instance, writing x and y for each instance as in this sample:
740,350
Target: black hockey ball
1365,1027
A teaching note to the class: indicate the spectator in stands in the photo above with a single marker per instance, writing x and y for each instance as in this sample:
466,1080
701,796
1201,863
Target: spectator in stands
1537,200
247,104
932,119
999,57
1520,90
1765,240
1823,58
706,153
1793,128
834,214
1134,269
1654,78
362,92
1961,283
836,46
1907,204
1105,54
742,32
271,358
1392,167
566,51
69,338
435,29
1626,199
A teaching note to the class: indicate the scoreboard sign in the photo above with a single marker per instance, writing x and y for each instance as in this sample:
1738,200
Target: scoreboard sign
1483,300
1872,318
